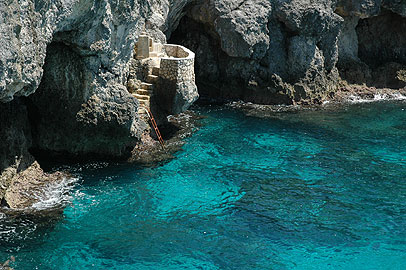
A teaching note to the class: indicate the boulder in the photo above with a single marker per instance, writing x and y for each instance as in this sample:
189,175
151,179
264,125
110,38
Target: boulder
21,178
242,45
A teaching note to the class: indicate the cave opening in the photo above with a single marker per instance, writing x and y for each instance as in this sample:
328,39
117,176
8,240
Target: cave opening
52,108
381,39
381,52
221,76
203,40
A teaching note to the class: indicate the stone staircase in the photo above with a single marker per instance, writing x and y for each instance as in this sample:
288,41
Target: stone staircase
145,92
151,51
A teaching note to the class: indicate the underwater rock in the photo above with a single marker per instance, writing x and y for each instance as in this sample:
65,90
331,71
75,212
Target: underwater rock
6,264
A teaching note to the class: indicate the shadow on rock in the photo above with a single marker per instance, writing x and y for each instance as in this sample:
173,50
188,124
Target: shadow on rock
150,153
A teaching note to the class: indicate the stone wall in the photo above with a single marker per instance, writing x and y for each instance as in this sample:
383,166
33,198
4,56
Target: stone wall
177,89
179,65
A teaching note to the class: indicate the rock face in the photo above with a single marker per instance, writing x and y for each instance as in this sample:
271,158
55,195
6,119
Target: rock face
69,59
264,51
73,55
79,113
15,138
21,178
267,51
372,43
283,51
103,31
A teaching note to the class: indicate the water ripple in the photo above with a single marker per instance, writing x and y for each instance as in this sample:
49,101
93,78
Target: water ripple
304,190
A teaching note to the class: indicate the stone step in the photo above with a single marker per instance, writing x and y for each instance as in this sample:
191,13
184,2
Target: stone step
142,108
155,61
147,86
144,103
143,92
141,97
155,71
142,112
152,78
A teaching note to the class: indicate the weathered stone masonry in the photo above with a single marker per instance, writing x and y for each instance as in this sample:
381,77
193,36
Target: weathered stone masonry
167,82
177,86
179,65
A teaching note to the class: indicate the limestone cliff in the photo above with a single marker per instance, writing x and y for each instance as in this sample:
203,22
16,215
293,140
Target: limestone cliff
268,48
63,72
64,64
282,51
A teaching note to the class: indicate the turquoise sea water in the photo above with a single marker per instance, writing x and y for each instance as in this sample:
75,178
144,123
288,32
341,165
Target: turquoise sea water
305,190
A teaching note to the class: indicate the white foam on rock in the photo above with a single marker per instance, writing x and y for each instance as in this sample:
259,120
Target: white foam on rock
377,97
55,195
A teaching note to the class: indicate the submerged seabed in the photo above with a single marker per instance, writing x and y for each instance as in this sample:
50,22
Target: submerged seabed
298,190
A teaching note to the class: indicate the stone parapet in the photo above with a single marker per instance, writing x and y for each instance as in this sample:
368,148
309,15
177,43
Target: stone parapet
143,47
178,65
177,89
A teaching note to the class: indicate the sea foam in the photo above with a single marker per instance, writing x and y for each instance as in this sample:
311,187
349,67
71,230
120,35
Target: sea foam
377,97
55,195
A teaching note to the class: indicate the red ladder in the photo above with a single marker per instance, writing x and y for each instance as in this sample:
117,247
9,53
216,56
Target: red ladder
155,126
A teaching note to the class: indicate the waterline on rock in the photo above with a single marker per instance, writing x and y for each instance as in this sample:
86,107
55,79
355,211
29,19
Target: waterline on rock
377,97
56,194
295,190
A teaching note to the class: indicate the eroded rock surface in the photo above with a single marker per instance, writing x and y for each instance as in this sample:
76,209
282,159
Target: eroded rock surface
283,51
70,58
78,112
26,187
104,30
250,45
21,177
263,51
372,43
15,138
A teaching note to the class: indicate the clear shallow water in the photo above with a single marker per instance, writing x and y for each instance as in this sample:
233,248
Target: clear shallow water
308,190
